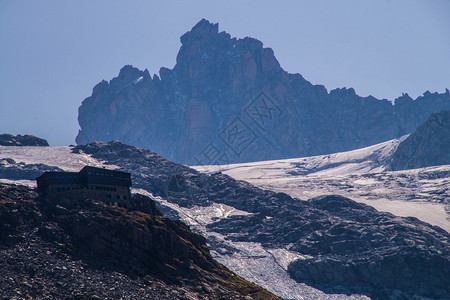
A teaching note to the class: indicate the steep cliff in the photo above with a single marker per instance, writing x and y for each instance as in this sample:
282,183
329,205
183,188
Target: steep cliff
429,145
229,100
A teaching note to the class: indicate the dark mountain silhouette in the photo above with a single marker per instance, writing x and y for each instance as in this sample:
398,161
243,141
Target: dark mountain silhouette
229,100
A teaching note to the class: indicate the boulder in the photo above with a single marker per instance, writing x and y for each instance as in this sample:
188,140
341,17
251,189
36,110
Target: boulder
21,140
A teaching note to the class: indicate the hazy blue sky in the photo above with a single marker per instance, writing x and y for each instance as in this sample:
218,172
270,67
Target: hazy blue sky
52,53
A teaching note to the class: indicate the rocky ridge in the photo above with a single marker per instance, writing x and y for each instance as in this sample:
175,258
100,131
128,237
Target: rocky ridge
21,140
221,86
10,169
429,145
345,244
85,249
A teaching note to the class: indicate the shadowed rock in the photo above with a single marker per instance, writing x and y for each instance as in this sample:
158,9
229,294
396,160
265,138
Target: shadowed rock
219,84
428,146
21,140
85,249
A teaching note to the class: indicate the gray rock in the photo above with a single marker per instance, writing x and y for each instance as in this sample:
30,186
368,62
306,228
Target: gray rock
14,171
189,114
21,140
428,146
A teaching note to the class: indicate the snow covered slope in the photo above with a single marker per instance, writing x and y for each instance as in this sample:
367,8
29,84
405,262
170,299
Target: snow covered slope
361,175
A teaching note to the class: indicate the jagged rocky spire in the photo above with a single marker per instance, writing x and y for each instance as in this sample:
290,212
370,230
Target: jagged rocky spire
220,84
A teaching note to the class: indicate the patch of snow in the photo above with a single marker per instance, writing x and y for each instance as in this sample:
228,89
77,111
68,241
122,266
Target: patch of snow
138,80
365,181
210,214
29,183
432,213
357,161
284,257
61,157
260,266
198,215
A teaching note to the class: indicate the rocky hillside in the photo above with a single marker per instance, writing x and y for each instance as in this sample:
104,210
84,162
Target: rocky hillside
347,247
429,145
87,250
229,100
21,140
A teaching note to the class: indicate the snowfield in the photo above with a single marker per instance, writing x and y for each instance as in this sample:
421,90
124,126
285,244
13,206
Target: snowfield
359,175
53,156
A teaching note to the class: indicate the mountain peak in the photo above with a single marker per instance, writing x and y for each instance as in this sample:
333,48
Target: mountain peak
403,99
129,70
217,79
202,28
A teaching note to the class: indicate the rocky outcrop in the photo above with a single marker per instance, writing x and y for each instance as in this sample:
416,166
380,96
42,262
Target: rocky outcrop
349,243
144,204
21,140
85,249
10,169
428,146
229,100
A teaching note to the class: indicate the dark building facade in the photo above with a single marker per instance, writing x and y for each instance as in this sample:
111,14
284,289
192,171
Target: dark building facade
109,186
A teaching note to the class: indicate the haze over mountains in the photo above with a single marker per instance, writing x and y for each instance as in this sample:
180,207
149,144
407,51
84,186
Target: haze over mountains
228,100
348,225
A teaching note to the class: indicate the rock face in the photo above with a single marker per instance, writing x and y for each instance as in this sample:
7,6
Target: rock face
352,246
85,249
144,204
21,140
405,245
428,146
229,100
